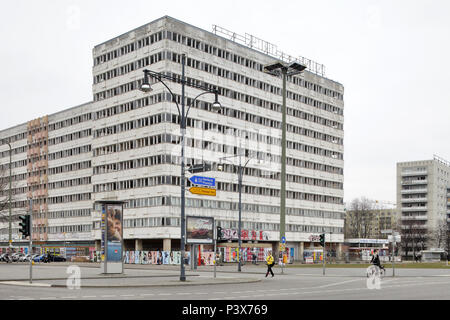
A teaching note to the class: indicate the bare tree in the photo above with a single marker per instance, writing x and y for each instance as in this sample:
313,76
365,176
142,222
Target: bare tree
360,218
414,236
439,236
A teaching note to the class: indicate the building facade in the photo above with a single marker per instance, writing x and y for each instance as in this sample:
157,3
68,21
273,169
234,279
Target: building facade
125,145
423,198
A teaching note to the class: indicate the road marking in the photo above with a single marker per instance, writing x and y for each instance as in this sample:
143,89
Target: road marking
164,294
147,294
89,296
48,298
127,295
108,296
337,283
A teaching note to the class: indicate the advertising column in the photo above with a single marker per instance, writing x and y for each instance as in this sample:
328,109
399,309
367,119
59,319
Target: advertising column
112,237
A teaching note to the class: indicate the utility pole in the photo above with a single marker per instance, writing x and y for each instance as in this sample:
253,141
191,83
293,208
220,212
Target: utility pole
10,191
31,241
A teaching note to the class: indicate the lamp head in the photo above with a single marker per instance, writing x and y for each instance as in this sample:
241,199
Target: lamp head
216,106
145,86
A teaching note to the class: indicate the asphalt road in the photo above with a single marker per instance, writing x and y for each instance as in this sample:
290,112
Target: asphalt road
294,284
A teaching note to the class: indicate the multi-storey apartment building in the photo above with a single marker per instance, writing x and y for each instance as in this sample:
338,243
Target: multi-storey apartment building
124,145
422,197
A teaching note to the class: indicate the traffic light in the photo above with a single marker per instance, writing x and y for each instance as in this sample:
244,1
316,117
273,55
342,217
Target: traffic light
322,239
25,226
219,233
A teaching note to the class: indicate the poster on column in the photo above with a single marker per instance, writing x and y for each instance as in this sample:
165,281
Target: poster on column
114,233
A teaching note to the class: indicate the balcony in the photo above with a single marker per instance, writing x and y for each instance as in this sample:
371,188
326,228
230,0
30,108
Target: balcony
418,218
413,200
414,173
416,208
412,191
413,182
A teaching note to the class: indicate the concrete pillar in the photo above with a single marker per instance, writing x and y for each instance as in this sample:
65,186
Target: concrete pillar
339,251
137,244
300,251
167,245
98,245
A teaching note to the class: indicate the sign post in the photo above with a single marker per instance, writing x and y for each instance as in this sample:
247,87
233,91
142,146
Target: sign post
31,241
203,191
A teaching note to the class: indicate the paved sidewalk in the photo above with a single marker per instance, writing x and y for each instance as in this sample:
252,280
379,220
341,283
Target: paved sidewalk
55,275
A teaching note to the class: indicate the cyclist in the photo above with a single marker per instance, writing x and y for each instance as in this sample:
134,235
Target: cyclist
376,260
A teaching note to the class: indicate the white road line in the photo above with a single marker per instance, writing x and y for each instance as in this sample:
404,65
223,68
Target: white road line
337,283
89,296
108,296
48,298
71,297
147,294
127,295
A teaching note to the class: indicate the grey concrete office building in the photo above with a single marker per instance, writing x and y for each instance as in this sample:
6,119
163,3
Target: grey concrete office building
124,145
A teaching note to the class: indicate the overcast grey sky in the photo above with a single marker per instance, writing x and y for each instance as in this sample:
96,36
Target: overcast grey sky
391,56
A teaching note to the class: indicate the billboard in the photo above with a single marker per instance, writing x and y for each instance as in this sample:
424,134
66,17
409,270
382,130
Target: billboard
114,232
199,230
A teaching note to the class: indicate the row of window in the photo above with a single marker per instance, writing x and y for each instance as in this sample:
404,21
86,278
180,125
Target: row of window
176,160
69,228
195,143
210,49
69,152
130,47
221,186
70,183
70,122
238,114
69,213
70,137
229,93
70,167
175,222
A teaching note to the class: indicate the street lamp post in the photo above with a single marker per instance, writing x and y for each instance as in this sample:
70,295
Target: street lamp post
240,174
10,215
285,70
145,87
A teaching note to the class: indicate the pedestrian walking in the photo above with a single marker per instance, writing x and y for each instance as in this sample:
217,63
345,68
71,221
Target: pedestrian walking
270,263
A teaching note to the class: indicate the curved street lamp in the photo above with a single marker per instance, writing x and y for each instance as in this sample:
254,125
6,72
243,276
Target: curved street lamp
216,106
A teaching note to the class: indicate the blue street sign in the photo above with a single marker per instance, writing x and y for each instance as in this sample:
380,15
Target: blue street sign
204,181
283,240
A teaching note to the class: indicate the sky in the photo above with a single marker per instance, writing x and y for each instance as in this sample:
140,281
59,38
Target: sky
391,56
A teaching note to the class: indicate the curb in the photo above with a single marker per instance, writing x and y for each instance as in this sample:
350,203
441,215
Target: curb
179,284
97,278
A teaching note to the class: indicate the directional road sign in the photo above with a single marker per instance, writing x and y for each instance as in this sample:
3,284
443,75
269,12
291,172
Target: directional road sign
203,191
204,181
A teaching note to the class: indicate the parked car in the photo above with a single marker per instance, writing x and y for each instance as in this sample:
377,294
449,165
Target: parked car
25,258
6,258
39,258
16,256
57,258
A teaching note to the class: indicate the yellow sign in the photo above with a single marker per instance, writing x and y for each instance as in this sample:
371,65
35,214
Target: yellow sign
282,246
203,191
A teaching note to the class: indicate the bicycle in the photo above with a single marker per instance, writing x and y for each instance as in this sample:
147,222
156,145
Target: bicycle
375,270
